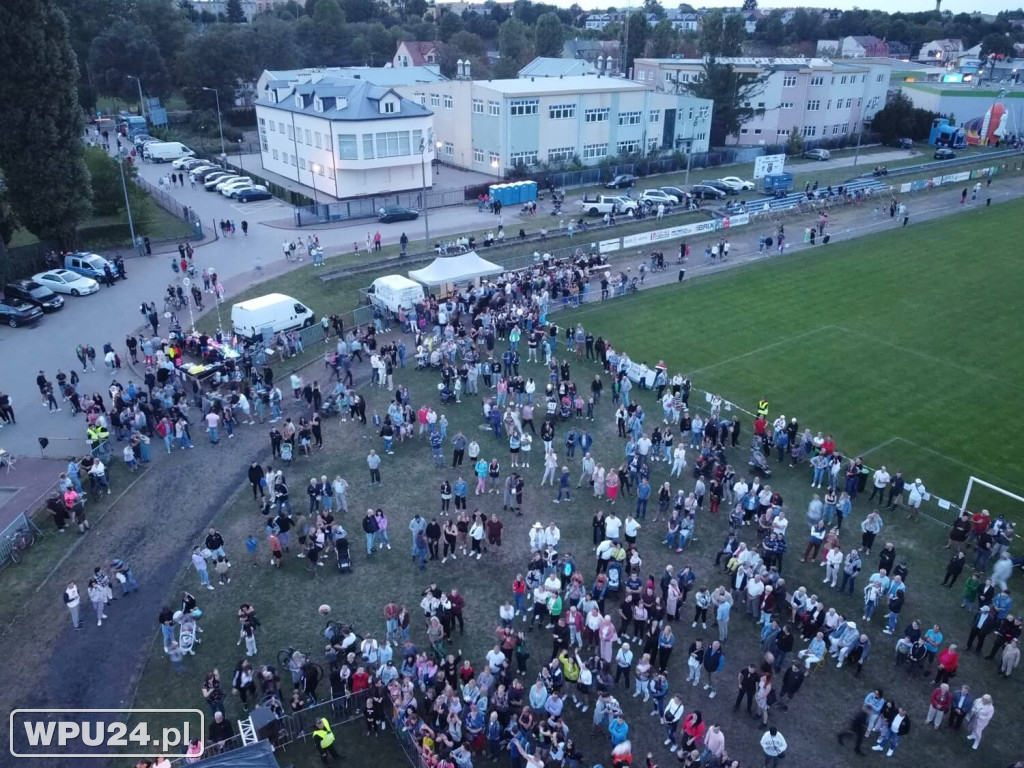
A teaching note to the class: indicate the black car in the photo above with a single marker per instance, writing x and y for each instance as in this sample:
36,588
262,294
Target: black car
706,192
32,292
944,153
17,312
396,213
720,185
622,180
248,195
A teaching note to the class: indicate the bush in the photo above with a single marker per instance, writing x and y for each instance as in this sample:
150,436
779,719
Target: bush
241,118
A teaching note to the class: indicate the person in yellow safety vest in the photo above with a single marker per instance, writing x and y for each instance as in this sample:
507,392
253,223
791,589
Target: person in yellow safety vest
96,434
762,407
323,737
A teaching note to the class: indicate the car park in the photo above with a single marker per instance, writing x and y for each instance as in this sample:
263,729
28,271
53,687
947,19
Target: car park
705,192
736,183
34,293
66,281
817,154
15,312
944,153
622,180
392,213
250,194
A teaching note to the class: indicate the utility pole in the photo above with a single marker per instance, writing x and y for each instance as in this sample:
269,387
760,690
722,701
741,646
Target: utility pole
127,203
425,143
220,124
142,103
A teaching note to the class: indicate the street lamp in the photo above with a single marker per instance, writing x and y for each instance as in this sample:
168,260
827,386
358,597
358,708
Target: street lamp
220,125
314,169
425,143
127,203
240,167
142,103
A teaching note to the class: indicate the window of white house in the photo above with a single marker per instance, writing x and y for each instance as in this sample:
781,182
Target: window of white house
347,149
691,114
449,148
782,132
520,107
559,154
280,127
448,102
828,105
630,118
833,79
818,80
309,137
274,154
591,151
478,106
743,130
810,130
417,139
835,129
263,124
493,159
393,144
302,163
390,107
705,112
842,80
423,99
846,128
494,108
523,158
628,147
435,100
849,103
596,115
641,75
701,136
757,131
562,111
789,81
264,145
786,105
813,105
878,78
321,170
367,146
654,116
330,173
273,127
316,139
652,144
478,155
291,135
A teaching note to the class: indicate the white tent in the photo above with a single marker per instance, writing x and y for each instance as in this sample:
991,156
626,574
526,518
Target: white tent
455,269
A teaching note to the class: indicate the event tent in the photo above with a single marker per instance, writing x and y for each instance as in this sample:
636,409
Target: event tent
455,269
258,755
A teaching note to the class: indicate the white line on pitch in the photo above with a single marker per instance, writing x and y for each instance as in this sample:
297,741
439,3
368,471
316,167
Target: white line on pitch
765,348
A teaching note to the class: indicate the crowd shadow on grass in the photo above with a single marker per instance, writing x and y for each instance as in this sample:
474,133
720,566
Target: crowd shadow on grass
287,600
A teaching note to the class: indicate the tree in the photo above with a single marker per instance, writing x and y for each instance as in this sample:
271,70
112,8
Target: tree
996,44
901,119
710,41
41,145
664,39
749,5
734,32
549,36
794,142
514,48
359,10
168,24
235,12
105,181
274,38
448,26
220,59
8,221
128,49
654,8
637,32
731,92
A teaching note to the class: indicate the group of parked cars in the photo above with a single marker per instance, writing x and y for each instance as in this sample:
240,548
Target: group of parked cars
25,301
709,189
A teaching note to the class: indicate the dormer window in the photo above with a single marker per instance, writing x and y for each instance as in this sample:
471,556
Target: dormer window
389,106
318,104
298,101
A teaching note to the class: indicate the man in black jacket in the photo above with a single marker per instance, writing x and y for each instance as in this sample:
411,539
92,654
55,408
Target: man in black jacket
220,732
981,625
858,726
1009,629
791,683
256,480
746,682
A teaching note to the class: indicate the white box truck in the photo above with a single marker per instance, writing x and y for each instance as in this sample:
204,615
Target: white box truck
273,312
165,151
394,292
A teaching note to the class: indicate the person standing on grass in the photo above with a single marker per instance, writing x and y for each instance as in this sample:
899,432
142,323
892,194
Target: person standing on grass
774,746
73,602
199,563
373,462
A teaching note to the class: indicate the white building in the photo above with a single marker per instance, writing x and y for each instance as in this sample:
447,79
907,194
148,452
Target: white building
344,136
493,125
823,99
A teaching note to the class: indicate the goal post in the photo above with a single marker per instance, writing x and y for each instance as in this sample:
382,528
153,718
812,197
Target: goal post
973,481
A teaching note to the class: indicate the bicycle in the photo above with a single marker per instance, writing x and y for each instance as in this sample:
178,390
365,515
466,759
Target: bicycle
20,541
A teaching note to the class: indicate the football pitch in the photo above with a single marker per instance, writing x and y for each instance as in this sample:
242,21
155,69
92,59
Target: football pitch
905,346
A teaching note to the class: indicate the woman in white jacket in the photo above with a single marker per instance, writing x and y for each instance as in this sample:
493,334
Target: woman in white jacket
98,598
678,461
833,564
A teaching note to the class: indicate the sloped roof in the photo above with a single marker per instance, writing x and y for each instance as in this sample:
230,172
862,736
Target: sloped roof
419,50
361,100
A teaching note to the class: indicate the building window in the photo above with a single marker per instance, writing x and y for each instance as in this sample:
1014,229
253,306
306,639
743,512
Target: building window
417,141
291,134
630,118
390,107
316,139
562,111
309,137
652,144
263,125
448,103
347,146
493,159
478,154
701,136
757,131
596,115
393,144
523,158
478,106
628,147
264,144
560,154
813,105
423,99
274,154
295,160
330,173
591,151
786,105
705,113
280,127
273,127
321,170
494,108
654,116
828,104
520,107
878,78
789,81
449,148
818,80
810,130
302,163
743,130
846,129
435,100
367,146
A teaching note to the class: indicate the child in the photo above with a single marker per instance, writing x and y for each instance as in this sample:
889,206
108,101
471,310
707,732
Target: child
221,567
176,655
129,459
251,546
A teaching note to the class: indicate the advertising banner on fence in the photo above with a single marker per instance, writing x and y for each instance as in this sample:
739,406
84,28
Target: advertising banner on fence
686,230
607,246
766,165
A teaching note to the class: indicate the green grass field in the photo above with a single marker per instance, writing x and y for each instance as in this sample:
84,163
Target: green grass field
901,340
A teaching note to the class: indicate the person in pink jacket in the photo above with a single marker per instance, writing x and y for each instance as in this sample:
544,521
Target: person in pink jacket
981,714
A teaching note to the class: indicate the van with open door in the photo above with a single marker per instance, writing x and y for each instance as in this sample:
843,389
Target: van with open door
394,292
271,313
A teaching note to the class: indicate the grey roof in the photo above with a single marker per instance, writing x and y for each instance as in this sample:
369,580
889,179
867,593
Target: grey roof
360,97
552,67
376,75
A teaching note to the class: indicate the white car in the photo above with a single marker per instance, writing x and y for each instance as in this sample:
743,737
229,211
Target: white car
233,191
657,196
244,181
735,182
66,281
214,183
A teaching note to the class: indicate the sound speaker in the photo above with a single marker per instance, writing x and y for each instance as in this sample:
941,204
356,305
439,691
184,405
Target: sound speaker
682,274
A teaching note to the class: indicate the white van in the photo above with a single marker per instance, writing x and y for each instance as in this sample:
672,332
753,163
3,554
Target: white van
165,151
274,312
394,292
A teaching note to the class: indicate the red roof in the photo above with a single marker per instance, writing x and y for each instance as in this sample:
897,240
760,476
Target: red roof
420,52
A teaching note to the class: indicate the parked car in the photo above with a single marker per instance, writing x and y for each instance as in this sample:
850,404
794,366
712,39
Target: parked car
34,293
622,180
204,173
191,163
233,192
252,193
817,154
736,183
17,312
66,281
396,213
705,192
902,143
238,181
678,193
213,181
89,264
721,185
657,196
944,153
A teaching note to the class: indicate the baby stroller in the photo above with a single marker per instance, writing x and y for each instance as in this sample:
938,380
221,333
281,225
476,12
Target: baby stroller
188,632
757,458
286,452
614,578
447,393
344,558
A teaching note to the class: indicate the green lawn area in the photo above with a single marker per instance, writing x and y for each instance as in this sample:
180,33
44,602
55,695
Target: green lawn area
98,232
912,340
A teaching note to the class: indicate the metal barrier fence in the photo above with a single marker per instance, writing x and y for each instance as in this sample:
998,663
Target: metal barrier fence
367,207
173,207
21,523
